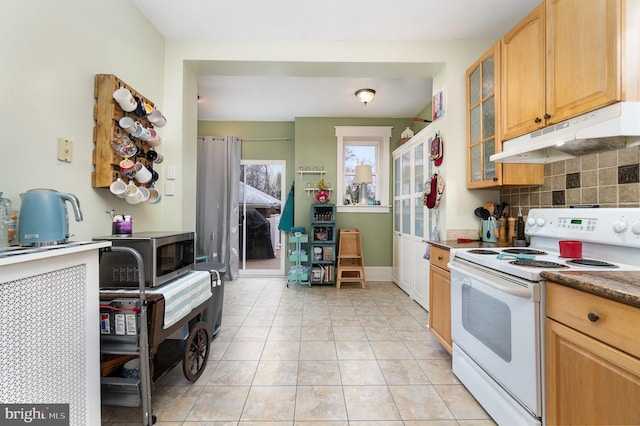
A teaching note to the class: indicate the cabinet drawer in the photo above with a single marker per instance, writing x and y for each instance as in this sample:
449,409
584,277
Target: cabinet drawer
439,257
615,323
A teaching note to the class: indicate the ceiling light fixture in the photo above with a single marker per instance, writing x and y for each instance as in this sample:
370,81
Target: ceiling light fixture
365,95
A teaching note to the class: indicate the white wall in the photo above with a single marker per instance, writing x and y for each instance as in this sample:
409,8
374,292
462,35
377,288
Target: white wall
50,52
184,58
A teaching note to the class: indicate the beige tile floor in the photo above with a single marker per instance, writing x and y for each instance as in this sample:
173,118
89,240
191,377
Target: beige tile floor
317,355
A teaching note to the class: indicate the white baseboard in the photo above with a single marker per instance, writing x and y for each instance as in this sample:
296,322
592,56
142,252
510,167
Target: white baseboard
377,273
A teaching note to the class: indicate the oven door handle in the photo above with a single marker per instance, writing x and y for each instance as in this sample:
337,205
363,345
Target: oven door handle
514,291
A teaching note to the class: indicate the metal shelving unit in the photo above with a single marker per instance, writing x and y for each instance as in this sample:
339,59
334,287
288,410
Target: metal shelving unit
299,272
323,243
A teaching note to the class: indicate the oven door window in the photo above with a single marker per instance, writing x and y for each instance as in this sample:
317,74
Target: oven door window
488,320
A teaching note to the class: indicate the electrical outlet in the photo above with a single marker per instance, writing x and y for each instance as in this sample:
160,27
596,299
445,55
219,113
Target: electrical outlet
65,150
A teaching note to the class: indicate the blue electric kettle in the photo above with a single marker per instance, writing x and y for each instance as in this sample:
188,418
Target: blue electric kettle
43,217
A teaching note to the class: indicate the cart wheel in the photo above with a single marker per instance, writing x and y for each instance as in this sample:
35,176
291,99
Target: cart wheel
196,351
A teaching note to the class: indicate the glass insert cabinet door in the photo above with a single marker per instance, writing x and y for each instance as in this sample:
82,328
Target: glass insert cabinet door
410,170
401,198
482,103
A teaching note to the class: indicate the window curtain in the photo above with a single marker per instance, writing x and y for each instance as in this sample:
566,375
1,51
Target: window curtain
217,211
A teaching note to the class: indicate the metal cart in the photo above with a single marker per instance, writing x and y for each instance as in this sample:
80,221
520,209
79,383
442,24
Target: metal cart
124,336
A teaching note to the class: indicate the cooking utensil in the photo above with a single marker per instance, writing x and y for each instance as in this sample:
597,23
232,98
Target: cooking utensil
464,240
516,256
506,210
490,207
482,213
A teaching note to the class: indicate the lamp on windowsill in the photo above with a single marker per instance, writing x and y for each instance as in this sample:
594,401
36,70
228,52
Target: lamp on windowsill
363,177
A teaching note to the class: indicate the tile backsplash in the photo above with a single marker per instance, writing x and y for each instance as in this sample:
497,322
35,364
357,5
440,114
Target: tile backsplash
608,179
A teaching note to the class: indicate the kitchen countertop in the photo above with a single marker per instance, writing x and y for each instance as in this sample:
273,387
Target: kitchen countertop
623,287
15,255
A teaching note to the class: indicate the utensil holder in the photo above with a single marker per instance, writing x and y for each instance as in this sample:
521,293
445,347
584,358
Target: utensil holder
488,231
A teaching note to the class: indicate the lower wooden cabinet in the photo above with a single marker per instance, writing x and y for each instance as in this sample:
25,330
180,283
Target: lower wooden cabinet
440,297
590,380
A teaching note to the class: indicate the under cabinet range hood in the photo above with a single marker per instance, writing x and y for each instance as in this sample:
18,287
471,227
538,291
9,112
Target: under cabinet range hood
612,127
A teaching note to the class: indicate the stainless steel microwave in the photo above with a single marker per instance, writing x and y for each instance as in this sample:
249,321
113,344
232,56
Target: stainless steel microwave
165,255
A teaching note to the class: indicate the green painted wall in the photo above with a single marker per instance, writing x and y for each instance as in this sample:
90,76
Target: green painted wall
257,150
313,143
316,144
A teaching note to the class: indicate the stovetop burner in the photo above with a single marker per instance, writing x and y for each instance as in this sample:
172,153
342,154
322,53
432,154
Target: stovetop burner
482,251
592,262
537,263
523,251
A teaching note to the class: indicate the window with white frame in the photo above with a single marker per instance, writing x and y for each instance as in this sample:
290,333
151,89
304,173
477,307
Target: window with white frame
363,145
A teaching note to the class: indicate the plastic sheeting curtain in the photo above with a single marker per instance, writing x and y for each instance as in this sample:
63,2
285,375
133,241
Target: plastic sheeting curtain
217,211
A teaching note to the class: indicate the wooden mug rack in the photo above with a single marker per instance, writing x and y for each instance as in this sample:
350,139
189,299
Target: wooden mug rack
107,113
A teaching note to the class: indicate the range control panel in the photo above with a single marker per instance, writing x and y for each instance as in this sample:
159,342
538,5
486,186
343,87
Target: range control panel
620,226
588,225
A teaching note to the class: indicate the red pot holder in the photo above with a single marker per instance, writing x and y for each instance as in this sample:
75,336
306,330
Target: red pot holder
437,150
433,189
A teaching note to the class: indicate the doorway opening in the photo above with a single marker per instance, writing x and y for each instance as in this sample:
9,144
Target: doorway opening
261,198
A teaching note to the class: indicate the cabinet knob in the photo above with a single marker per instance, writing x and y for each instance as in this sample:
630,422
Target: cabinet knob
440,257
538,120
593,317
495,179
547,116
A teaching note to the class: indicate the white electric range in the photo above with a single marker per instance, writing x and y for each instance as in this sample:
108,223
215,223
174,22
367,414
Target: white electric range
497,302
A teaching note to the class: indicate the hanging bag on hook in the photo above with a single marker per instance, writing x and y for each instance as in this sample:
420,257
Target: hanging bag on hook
430,194
433,189
439,190
437,150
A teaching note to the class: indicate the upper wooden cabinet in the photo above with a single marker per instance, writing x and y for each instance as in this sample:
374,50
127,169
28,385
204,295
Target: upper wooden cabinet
583,40
482,113
523,86
483,139
567,58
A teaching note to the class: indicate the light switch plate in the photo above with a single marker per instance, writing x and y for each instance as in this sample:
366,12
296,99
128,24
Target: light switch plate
171,172
170,188
65,150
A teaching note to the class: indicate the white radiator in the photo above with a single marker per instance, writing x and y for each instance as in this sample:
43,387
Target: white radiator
48,317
